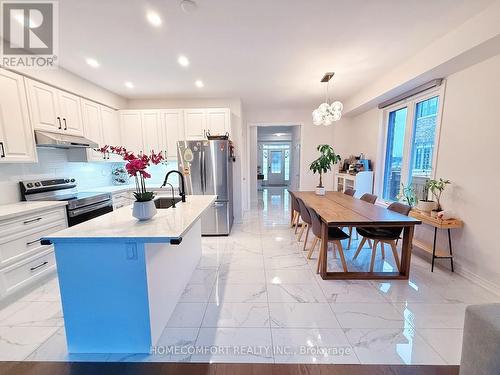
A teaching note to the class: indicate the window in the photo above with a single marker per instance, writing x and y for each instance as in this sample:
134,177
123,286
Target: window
412,130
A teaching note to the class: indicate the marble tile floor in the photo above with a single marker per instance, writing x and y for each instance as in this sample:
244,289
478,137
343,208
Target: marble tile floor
256,298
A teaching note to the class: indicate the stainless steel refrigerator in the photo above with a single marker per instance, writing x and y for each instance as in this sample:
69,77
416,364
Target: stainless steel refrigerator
207,168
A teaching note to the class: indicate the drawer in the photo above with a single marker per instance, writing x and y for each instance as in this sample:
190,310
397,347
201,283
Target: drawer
27,271
23,223
17,246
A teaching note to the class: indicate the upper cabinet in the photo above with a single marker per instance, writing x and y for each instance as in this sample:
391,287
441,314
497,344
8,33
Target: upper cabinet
110,126
195,122
151,131
201,122
17,142
54,110
92,127
70,109
172,123
218,121
131,127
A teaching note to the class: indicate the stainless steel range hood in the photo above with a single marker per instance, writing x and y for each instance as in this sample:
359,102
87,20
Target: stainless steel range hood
54,140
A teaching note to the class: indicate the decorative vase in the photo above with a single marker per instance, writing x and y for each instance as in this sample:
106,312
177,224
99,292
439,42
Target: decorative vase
320,191
426,206
144,210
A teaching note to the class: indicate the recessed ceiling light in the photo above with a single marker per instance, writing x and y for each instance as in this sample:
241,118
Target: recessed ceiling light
154,19
92,62
183,61
129,85
188,6
199,84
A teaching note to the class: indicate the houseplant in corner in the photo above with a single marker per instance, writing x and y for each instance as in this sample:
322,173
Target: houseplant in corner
436,187
144,207
323,164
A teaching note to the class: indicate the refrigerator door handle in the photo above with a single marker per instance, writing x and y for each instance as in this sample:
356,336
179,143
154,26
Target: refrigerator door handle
201,171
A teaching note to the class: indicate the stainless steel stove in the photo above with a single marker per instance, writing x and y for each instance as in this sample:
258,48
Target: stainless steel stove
81,206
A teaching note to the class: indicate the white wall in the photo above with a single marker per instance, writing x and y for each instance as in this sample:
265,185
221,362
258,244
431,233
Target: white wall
468,156
238,134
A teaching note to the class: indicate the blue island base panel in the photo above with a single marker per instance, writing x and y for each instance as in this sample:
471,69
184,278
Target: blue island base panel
104,294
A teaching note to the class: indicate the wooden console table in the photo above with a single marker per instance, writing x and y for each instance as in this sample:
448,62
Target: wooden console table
447,224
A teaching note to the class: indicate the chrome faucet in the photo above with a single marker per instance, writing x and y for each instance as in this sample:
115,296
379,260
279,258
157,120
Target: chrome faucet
173,194
182,191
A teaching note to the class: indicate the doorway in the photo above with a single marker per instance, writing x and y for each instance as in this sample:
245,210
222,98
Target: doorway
276,164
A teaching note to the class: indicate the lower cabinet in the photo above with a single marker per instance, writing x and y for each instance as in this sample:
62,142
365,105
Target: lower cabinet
23,259
122,199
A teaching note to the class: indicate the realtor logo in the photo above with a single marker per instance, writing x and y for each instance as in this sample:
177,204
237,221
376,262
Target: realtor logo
29,34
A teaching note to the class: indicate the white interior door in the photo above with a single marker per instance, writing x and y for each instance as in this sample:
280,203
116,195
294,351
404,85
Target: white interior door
276,167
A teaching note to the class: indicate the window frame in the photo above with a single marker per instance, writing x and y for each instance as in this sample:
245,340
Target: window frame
411,105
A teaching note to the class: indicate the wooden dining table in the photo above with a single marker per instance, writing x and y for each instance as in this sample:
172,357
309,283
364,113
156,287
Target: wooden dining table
337,209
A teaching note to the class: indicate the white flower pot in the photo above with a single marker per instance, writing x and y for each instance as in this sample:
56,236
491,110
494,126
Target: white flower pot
144,210
426,206
320,191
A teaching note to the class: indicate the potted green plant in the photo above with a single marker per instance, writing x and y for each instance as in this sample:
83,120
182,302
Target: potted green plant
436,187
408,195
323,164
425,204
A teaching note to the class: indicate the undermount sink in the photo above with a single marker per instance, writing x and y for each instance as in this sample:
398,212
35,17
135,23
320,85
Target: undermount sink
164,202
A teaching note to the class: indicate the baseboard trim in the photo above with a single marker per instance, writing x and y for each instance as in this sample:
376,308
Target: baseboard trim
492,287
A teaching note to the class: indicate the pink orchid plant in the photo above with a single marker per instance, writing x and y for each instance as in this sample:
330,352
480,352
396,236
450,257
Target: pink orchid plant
136,167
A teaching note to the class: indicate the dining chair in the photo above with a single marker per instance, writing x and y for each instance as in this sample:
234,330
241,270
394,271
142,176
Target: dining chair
306,218
370,198
295,212
335,235
383,235
350,192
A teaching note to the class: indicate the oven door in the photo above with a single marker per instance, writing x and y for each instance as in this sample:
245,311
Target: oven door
92,211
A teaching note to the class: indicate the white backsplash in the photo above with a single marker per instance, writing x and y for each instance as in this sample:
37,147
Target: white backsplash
54,163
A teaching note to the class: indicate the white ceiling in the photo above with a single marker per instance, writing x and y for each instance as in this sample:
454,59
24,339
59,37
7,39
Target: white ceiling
271,53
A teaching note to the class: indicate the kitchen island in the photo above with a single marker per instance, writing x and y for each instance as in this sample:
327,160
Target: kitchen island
120,279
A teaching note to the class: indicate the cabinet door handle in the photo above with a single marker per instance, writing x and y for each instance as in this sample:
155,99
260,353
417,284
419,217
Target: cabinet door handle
33,242
40,265
32,220
65,125
60,125
2,150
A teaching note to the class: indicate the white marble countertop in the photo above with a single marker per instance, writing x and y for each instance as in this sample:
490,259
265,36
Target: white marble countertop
120,224
11,210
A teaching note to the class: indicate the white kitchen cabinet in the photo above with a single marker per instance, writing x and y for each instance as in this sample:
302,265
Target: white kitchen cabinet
172,123
93,130
131,129
122,199
151,131
23,259
70,109
199,122
218,121
110,126
17,142
195,122
54,110
44,106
